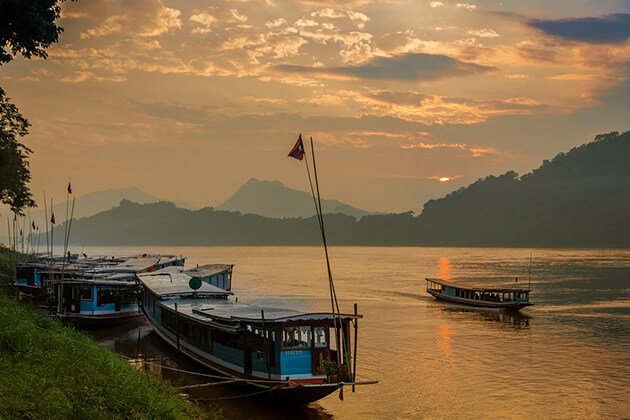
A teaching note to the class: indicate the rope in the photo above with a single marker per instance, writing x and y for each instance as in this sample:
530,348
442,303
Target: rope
233,396
262,381
207,384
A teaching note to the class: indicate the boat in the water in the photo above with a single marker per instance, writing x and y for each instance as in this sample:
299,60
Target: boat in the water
106,293
281,353
501,298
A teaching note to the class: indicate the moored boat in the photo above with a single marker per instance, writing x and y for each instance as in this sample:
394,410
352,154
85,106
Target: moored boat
104,293
501,298
281,353
94,302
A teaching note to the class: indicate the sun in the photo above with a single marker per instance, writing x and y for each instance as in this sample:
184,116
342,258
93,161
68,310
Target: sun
444,179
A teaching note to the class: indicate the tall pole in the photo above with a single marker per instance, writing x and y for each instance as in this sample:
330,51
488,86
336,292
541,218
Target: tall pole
46,222
320,218
529,283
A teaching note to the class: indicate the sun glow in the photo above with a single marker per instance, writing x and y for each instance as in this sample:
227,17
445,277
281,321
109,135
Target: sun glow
444,179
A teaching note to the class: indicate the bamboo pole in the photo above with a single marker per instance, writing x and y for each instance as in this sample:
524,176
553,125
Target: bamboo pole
46,222
262,315
339,334
354,358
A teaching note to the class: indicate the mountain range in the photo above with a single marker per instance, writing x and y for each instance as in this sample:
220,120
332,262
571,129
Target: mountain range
579,198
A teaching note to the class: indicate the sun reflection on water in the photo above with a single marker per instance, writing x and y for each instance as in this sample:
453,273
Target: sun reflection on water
444,269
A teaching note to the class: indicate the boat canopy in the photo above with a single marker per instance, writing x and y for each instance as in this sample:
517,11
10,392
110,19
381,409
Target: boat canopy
170,282
203,270
229,311
93,281
139,264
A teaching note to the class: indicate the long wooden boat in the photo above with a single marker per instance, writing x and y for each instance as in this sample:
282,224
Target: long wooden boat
277,352
502,298
105,293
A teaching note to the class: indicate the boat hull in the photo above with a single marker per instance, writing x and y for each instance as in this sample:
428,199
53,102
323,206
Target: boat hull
510,306
295,392
32,291
97,321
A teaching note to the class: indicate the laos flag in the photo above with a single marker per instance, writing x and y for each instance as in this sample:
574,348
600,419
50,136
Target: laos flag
298,150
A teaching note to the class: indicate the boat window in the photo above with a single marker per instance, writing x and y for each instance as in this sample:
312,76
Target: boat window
86,292
320,336
296,337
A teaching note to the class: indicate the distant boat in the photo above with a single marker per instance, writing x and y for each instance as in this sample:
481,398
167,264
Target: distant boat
278,352
502,298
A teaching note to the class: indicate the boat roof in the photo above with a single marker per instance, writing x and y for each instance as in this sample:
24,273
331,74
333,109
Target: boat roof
95,281
207,270
139,264
230,311
475,288
173,281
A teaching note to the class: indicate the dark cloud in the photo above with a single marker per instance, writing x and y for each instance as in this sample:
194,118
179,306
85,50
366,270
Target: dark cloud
402,67
609,29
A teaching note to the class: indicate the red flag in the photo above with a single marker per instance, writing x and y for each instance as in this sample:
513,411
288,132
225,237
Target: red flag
52,219
298,150
69,188
33,225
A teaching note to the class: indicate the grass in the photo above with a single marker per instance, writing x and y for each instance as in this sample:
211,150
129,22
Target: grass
48,370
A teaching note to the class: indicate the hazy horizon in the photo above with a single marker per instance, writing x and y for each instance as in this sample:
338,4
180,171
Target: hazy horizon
187,101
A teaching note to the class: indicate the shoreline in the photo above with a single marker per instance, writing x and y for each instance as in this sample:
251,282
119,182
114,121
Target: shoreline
53,371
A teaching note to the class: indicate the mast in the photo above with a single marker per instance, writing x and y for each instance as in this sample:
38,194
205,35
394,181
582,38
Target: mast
529,282
318,210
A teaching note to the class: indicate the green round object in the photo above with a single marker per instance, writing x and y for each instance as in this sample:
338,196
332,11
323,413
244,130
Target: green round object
194,283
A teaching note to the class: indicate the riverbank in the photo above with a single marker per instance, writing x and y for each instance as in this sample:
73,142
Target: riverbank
53,371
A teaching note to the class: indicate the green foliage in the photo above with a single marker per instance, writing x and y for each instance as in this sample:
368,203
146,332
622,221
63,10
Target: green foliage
27,28
14,170
330,367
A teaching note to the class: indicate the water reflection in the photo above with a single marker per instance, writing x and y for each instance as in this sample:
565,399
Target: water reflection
443,339
504,319
444,269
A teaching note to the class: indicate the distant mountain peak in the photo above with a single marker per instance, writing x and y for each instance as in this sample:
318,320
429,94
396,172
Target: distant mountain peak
274,199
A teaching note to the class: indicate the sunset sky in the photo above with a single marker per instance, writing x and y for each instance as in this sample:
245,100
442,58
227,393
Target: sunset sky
188,99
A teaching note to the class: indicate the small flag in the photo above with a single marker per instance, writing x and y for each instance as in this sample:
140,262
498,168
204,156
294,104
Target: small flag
298,150
69,188
33,225
52,219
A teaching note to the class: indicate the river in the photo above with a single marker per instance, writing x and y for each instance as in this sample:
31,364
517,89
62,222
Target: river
568,356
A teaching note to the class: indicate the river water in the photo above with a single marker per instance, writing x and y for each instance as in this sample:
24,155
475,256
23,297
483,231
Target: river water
566,357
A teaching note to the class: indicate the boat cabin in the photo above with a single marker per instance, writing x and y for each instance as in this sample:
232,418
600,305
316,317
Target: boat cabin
508,298
90,302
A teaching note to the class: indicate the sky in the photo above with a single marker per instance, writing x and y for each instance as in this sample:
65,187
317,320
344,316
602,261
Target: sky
406,100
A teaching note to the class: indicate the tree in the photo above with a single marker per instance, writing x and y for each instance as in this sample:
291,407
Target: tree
27,27
14,171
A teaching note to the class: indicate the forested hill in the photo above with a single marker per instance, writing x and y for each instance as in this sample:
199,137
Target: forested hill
580,198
